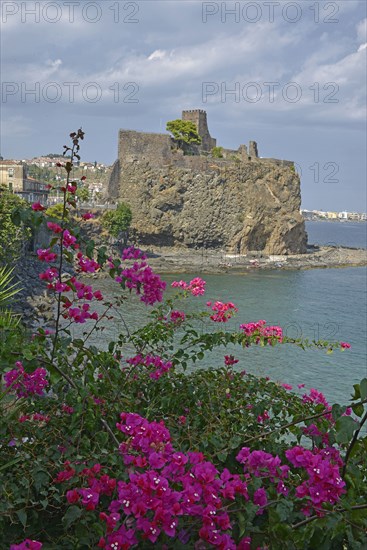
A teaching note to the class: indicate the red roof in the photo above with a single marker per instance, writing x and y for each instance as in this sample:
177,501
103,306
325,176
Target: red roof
10,162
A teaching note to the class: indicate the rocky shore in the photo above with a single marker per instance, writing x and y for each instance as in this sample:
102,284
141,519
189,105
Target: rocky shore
37,307
168,260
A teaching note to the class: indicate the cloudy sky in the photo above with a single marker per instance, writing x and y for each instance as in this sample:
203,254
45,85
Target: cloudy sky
290,75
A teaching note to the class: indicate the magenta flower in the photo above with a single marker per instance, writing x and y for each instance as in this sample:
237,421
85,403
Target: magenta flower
244,544
68,239
87,216
230,360
196,286
72,496
54,227
132,253
27,544
45,255
260,497
86,264
24,384
37,207
345,345
50,274
177,317
222,312
260,330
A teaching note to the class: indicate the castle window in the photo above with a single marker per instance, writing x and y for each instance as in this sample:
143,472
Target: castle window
10,172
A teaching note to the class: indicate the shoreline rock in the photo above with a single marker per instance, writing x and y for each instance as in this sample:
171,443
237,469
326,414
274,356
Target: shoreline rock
170,260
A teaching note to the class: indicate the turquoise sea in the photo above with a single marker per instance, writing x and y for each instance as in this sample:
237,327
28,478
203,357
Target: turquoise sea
327,304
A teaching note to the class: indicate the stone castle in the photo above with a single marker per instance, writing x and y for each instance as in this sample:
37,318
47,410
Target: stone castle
238,202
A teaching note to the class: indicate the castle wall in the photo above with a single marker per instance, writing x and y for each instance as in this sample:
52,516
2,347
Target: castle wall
153,148
114,181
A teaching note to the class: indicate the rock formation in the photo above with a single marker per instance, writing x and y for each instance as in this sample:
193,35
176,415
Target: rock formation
238,203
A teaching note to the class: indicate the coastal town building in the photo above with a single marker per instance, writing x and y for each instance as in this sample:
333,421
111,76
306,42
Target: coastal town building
14,176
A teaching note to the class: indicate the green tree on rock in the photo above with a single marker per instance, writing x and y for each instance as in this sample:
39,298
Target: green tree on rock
184,131
117,221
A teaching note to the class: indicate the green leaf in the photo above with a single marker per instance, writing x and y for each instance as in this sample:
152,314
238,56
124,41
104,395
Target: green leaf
336,411
44,503
357,392
222,456
11,463
284,509
16,217
22,515
345,427
358,409
72,514
40,479
242,524
28,354
363,388
90,248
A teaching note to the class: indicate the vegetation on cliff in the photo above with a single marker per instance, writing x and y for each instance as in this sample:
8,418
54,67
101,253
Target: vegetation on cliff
117,221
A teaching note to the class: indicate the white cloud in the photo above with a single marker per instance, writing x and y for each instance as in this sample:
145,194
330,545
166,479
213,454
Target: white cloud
157,54
362,30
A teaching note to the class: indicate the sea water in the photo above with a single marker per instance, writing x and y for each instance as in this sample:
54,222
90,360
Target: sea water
318,304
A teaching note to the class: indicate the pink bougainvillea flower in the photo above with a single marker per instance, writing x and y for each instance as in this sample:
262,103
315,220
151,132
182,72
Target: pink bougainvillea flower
177,317
196,286
54,227
87,216
271,333
27,544
37,207
230,360
132,253
45,255
345,345
25,384
68,239
222,311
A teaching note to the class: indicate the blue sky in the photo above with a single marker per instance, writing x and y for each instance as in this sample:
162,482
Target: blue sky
289,75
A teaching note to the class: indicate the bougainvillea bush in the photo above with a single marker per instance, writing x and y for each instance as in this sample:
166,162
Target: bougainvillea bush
130,445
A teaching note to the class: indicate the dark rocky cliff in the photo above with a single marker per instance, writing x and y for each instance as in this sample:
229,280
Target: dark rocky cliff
236,206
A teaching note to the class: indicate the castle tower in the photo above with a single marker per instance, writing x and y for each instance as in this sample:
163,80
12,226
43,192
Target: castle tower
198,117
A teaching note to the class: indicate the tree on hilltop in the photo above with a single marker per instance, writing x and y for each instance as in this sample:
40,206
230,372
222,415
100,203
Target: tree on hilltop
184,131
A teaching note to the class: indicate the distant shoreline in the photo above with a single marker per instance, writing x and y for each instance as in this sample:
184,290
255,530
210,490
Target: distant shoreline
333,220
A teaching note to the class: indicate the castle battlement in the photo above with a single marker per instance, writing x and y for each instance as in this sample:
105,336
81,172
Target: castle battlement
195,111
